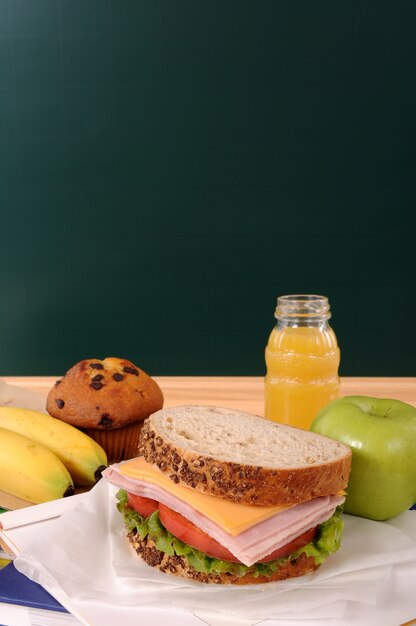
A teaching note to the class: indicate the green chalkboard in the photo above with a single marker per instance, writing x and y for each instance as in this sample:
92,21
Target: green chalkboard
168,168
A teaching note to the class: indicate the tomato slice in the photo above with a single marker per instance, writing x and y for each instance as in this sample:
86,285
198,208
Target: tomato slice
186,531
144,506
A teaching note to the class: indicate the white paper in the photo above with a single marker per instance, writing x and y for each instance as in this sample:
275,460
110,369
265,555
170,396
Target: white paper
85,555
12,395
32,514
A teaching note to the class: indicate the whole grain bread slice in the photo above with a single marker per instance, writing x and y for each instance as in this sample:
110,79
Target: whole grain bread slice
179,566
243,458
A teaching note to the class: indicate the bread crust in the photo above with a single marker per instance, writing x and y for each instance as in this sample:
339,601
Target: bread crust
104,394
246,484
178,565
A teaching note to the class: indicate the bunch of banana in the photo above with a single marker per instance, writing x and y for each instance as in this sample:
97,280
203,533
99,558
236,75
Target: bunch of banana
45,449
31,471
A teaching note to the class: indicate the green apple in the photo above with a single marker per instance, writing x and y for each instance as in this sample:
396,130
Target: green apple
382,436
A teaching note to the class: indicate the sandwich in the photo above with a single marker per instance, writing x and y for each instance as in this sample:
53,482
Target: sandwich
220,496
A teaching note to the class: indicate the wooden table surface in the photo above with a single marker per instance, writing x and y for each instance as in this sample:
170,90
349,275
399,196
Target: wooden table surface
244,393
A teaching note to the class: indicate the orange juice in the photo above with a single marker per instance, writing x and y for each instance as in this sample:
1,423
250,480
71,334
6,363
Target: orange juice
302,358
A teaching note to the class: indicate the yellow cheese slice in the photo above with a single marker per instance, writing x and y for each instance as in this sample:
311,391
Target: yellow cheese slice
231,516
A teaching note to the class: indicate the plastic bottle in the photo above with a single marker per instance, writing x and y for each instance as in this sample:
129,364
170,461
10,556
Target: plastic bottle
302,358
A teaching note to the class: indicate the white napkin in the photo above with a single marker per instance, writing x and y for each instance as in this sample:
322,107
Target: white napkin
12,395
39,513
86,556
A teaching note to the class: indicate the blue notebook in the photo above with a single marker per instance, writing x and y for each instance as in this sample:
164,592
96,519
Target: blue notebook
16,588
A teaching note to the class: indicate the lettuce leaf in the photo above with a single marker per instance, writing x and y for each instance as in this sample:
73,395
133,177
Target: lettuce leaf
327,540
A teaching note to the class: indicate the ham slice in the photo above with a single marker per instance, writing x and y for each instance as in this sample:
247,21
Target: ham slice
253,544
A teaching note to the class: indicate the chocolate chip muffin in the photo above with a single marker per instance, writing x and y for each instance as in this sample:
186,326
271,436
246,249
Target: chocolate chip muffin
108,400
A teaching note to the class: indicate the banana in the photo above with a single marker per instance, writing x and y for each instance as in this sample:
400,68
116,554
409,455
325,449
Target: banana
83,457
31,471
